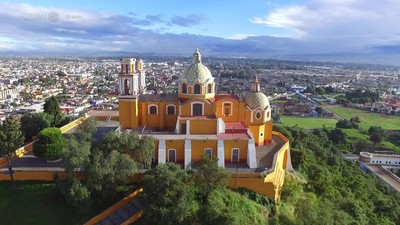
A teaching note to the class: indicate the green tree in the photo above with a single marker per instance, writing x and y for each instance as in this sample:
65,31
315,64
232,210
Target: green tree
50,144
122,142
52,107
169,198
144,153
105,172
76,154
209,176
33,123
376,134
86,129
337,136
319,110
11,138
320,90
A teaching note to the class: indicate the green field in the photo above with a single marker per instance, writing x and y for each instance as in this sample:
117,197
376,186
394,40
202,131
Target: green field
368,119
308,122
37,203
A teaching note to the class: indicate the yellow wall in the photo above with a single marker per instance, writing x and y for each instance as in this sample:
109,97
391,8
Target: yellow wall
128,113
198,147
268,132
200,126
152,121
161,121
252,182
241,144
235,117
208,108
256,131
179,146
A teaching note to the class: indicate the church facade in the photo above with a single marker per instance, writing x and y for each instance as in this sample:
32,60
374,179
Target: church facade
197,121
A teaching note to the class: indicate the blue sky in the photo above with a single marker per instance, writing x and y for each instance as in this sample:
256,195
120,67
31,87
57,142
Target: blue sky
219,27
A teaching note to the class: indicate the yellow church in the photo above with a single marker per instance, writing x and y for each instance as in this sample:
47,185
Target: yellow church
235,129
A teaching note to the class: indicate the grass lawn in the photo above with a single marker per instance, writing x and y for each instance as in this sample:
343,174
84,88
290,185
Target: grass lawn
36,203
368,119
355,135
308,122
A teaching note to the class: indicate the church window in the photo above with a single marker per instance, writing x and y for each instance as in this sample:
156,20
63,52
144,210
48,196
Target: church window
209,88
197,89
235,155
184,88
208,152
122,68
126,69
261,134
227,108
171,110
127,90
153,110
267,114
197,109
258,115
171,155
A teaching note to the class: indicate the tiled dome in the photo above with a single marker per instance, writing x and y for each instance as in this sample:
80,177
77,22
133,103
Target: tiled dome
256,99
197,71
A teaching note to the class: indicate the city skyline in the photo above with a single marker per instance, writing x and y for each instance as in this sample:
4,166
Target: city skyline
224,28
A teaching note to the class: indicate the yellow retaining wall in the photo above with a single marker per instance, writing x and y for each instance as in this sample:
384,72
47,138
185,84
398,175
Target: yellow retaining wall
252,182
116,206
34,175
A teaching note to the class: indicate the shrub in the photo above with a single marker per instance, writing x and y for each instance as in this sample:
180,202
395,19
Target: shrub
50,144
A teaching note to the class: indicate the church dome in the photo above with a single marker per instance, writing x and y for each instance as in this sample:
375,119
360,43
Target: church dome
197,71
256,99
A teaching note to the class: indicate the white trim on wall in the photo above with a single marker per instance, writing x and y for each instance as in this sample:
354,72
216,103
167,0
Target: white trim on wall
171,149
148,109
166,109
232,154
191,107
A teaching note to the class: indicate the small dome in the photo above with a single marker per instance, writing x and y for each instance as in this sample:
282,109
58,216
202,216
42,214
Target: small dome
256,99
197,71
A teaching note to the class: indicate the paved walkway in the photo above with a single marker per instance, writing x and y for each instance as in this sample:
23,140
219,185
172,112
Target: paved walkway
384,174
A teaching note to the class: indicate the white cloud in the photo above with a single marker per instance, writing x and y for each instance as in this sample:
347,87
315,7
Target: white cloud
368,21
241,36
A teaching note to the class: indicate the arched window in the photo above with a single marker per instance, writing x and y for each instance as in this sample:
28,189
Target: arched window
209,88
152,110
184,88
197,109
197,89
227,108
126,68
127,90
170,110
122,68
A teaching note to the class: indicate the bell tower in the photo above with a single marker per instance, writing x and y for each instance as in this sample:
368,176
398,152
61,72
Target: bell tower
131,84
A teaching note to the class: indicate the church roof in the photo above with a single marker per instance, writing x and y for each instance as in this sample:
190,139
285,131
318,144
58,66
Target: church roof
158,97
